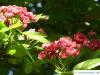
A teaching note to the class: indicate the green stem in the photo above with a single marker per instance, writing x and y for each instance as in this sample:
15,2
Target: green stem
30,56
63,70
32,61
57,65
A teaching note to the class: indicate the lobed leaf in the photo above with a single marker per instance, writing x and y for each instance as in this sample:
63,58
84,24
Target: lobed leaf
36,36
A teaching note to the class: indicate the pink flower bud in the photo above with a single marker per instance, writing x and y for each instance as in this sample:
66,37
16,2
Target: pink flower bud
41,55
91,33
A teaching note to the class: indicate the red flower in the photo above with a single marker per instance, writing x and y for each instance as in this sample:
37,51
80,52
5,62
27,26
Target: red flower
63,55
91,33
62,48
51,49
41,55
72,51
64,41
94,44
80,37
79,46
51,55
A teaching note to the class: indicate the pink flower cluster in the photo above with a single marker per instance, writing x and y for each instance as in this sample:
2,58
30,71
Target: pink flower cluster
62,48
7,12
81,38
94,44
84,41
66,46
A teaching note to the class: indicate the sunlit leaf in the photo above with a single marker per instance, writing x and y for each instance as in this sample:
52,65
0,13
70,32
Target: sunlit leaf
38,48
36,36
14,26
38,17
88,64
12,52
2,25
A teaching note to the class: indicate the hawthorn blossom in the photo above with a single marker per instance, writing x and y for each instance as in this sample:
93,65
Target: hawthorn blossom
62,48
94,44
42,55
8,12
91,33
63,55
66,46
2,18
81,38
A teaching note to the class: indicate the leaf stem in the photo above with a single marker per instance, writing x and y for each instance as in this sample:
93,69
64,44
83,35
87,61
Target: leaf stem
30,56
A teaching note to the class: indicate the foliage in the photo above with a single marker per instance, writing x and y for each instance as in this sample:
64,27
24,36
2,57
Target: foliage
17,43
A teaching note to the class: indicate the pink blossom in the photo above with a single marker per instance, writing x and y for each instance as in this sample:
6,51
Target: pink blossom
63,48
25,19
72,51
13,10
63,55
94,44
65,41
2,18
80,37
8,14
91,33
41,55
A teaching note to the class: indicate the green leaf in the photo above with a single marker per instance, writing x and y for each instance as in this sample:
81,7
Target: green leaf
28,66
19,48
14,26
38,48
36,36
10,28
12,52
38,16
88,64
57,71
2,25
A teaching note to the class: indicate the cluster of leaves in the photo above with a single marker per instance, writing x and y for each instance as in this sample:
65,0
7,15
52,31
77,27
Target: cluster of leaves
17,46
